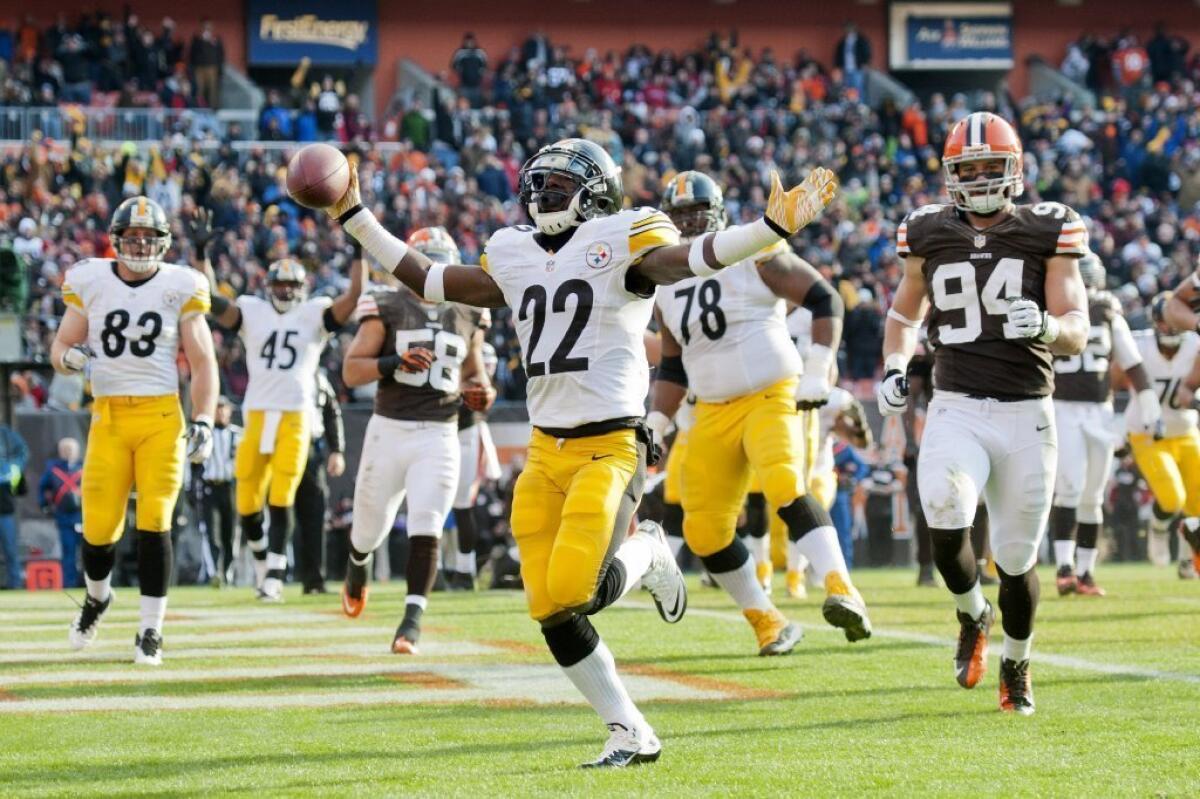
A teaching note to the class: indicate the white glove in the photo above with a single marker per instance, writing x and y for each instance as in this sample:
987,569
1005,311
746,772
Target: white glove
1027,320
76,358
1149,411
199,440
814,388
892,393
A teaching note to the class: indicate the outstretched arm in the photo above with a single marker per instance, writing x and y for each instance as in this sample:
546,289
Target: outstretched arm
787,212
469,285
1185,297
344,304
200,233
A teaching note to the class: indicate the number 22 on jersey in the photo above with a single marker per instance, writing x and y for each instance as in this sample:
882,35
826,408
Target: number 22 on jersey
533,304
954,288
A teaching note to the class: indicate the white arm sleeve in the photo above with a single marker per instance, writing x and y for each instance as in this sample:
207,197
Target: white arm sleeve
1125,350
382,246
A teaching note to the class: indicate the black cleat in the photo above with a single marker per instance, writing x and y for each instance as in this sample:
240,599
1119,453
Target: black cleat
405,640
506,573
440,582
627,747
1016,689
147,648
87,623
970,659
460,581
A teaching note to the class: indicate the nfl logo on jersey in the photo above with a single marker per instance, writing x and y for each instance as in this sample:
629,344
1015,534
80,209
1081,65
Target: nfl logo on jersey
598,255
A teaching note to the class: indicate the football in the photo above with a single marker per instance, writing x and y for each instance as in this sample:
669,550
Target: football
318,175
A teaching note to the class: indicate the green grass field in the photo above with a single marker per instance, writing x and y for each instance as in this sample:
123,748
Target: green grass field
296,700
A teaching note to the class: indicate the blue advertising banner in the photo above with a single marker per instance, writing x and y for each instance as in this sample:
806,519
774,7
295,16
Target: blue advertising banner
281,32
951,35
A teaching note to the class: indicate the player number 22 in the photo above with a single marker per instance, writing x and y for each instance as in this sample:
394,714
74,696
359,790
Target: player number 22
1003,283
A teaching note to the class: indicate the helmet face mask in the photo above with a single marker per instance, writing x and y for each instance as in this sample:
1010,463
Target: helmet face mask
695,204
140,234
286,285
982,165
569,182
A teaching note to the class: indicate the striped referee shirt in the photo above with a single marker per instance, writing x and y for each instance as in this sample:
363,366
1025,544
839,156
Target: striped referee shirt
219,466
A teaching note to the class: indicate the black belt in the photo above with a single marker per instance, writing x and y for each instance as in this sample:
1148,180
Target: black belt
593,428
1001,399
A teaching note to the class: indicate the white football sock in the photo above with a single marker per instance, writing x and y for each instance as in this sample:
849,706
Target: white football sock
761,548
464,563
635,555
99,589
675,542
1017,650
154,608
596,678
796,560
1085,560
742,584
418,600
820,545
1185,549
276,561
1064,554
972,602
260,571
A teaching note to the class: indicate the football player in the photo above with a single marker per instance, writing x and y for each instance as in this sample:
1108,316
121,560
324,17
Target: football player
284,335
126,320
1006,297
724,339
427,357
580,283
1170,461
1083,416
477,459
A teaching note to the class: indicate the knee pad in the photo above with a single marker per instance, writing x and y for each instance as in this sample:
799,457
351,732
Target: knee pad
1015,557
707,533
1067,491
948,498
782,484
731,558
803,516
571,640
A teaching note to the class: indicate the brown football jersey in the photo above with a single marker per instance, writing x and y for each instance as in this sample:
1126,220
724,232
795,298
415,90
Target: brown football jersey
443,328
971,276
1086,377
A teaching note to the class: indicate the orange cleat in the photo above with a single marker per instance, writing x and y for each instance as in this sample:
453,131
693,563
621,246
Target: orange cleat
353,607
970,661
403,646
1085,585
1016,689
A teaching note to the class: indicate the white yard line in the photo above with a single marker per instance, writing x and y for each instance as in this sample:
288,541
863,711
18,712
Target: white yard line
123,653
1062,661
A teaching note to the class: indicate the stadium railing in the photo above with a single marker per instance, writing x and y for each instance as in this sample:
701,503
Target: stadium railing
103,123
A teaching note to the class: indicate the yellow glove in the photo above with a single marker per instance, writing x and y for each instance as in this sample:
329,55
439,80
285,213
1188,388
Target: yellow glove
789,211
349,200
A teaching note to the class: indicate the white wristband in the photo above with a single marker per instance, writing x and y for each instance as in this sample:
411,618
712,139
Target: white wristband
435,289
742,241
696,259
896,362
203,418
819,359
902,319
383,246
1052,329
658,422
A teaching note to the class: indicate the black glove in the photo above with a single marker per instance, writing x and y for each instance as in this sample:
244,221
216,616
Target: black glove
200,232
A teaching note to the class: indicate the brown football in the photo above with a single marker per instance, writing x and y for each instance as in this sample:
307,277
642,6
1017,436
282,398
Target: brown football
318,175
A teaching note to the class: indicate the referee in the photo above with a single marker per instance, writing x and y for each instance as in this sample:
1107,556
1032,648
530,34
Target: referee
327,454
217,501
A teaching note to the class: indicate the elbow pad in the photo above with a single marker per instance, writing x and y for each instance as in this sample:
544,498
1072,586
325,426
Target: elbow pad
822,302
670,368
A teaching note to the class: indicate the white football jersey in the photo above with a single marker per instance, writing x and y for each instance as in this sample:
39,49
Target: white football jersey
732,330
580,328
134,328
283,351
1165,376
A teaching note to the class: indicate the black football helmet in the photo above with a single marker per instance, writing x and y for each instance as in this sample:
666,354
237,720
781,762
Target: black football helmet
1167,335
569,182
695,204
1092,271
140,253
286,284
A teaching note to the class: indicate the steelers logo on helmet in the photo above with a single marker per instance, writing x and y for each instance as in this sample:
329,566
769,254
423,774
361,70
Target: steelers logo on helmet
695,204
286,284
436,244
140,234
1164,332
569,182
982,164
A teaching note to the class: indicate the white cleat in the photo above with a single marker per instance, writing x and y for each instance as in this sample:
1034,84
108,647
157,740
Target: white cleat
627,747
147,648
87,623
271,590
664,578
